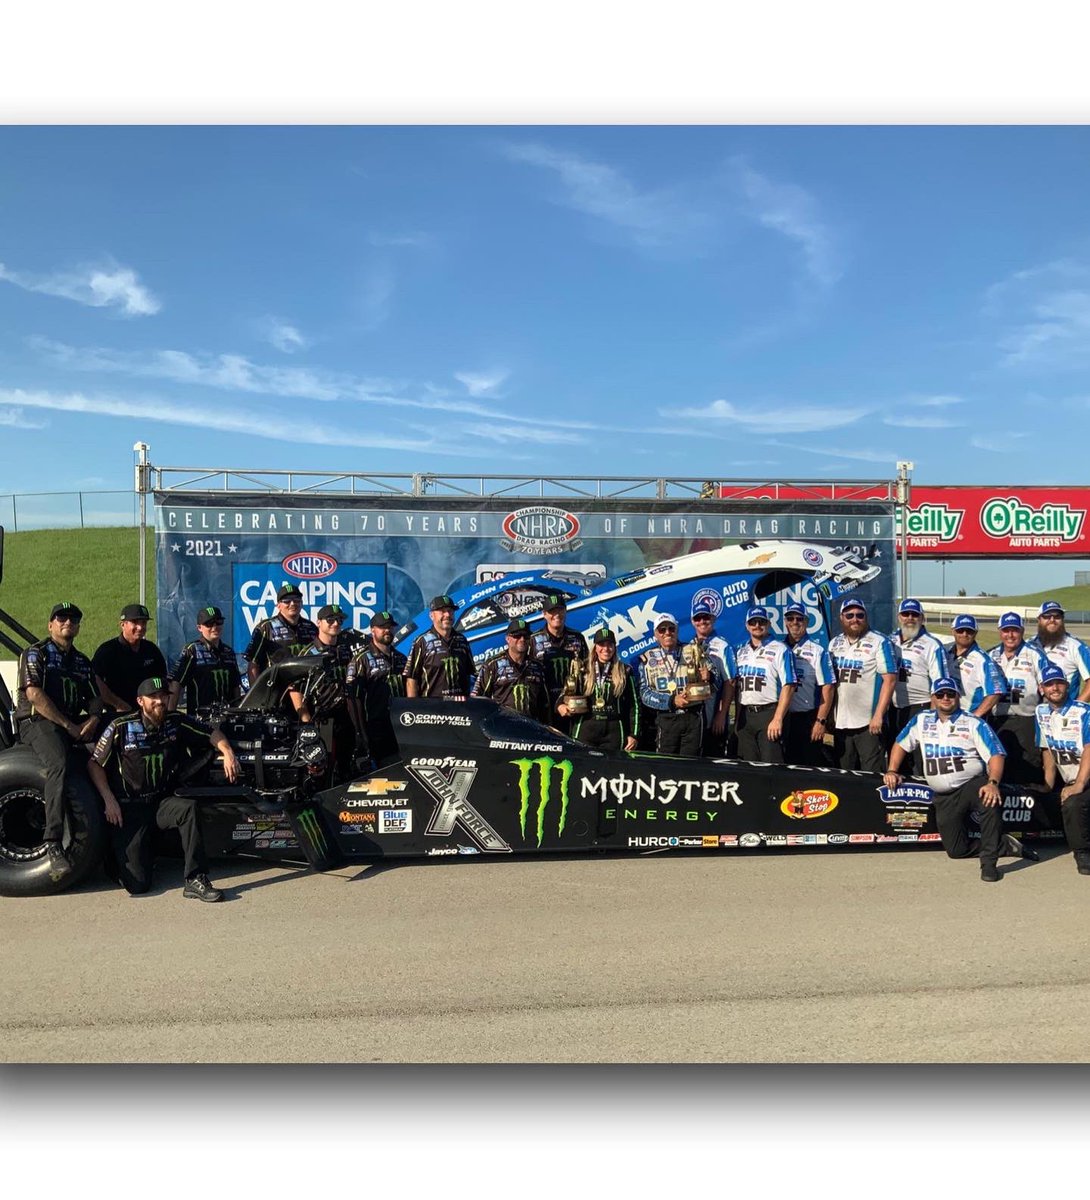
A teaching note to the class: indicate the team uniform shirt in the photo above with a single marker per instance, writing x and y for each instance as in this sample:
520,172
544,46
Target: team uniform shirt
860,665
978,675
763,672
66,677
607,705
443,669
1022,673
721,653
337,656
814,668
275,639
919,663
660,678
953,751
1071,656
1066,732
555,656
124,669
373,677
141,763
519,686
207,673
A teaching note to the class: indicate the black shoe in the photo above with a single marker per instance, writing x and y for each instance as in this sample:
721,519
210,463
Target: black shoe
1082,863
989,873
59,866
199,888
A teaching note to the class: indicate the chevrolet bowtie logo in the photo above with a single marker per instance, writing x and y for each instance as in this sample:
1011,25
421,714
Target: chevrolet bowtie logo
377,787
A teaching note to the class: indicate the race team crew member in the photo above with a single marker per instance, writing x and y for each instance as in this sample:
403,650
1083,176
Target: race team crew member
375,674
613,718
1015,716
957,749
513,679
55,692
555,647
134,767
440,664
679,721
866,674
921,659
981,682
1063,733
812,704
717,706
767,678
206,669
286,634
1069,653
329,704
122,663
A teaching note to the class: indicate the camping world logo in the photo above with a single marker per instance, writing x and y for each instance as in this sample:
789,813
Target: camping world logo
309,564
1007,516
548,769
540,529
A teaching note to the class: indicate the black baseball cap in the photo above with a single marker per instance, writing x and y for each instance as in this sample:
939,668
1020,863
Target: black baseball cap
288,592
135,612
444,601
383,620
553,601
605,634
152,686
209,616
517,626
65,608
331,611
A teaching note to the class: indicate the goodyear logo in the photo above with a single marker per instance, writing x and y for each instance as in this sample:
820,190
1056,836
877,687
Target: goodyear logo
805,804
310,564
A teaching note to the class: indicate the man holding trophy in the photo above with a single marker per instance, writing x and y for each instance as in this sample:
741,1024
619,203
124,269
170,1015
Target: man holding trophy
676,681
556,648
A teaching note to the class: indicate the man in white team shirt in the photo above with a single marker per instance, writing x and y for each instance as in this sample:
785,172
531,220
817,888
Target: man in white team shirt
963,764
1014,718
812,704
866,672
921,659
766,683
1063,733
1068,653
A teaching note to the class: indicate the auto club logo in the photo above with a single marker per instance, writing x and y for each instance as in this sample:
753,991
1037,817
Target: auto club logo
708,598
309,564
806,803
540,529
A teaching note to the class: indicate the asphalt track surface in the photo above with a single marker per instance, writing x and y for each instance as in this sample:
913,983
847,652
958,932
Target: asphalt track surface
850,956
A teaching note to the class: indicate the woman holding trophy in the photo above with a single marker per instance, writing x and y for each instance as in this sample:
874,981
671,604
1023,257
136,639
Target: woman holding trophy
600,697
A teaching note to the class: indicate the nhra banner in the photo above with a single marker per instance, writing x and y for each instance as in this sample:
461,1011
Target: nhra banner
998,522
617,562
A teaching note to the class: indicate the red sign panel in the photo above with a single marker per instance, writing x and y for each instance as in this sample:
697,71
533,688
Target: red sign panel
987,522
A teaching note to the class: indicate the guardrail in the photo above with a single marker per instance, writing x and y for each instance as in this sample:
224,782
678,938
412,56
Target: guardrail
67,510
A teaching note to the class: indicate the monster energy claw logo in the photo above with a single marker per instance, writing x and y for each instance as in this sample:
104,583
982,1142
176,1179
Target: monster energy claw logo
520,697
153,769
71,693
311,828
219,676
545,767
450,670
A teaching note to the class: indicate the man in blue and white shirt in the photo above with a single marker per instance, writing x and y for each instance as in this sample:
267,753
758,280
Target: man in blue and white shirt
1067,652
679,720
1014,717
717,706
963,764
812,704
766,683
921,659
981,681
866,672
1063,733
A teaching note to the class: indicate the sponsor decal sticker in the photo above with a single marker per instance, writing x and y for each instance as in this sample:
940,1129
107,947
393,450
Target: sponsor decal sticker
356,818
806,803
930,837
857,839
309,564
377,787
709,839
395,820
883,839
659,843
540,529
774,839
442,850
838,839
749,839
728,839
906,819
908,837
811,557
451,788
906,793
426,718
708,598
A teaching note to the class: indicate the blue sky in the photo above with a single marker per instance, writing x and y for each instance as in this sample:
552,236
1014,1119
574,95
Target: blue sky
685,301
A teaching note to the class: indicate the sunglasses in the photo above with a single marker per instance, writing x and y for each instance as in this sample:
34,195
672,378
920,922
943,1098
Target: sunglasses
944,695
211,624
519,637
701,619
757,622
793,619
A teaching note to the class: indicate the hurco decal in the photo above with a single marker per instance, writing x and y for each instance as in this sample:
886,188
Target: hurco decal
1008,517
804,804
547,769
540,529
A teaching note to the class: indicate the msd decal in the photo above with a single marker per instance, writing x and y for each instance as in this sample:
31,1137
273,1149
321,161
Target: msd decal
540,529
359,588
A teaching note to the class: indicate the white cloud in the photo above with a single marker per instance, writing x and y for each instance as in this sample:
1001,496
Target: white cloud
375,298
855,454
283,336
99,287
1007,442
795,418
792,211
1044,316
480,383
521,434
922,421
14,418
935,401
400,239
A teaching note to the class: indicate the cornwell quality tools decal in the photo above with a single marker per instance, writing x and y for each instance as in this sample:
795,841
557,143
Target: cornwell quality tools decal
804,804
451,787
547,769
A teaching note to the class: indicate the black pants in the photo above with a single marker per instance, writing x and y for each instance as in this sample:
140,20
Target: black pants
380,742
134,842
952,811
858,750
1076,818
798,747
342,737
679,732
603,733
1019,738
754,744
60,757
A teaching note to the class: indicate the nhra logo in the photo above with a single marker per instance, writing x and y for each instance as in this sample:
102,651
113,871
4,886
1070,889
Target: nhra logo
541,529
310,564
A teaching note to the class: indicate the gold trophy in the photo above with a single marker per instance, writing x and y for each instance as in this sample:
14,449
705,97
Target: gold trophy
572,694
694,661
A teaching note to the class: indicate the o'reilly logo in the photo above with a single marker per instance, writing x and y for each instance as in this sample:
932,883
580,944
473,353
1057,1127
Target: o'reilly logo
1006,516
933,521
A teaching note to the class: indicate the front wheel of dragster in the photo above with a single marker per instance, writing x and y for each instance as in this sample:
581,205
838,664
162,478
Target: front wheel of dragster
24,863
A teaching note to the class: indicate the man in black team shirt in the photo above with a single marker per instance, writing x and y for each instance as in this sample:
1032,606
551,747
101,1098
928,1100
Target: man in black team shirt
124,662
206,669
554,647
134,767
376,672
332,705
513,679
284,635
54,695
440,665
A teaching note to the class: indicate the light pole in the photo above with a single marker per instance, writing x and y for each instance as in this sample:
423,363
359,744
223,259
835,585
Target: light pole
904,491
141,450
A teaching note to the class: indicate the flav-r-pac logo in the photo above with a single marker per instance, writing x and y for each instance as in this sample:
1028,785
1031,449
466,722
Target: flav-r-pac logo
547,768
1007,516
933,521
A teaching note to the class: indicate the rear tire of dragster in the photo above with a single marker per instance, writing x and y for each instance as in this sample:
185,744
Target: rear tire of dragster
24,864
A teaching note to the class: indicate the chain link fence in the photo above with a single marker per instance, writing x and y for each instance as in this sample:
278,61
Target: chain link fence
20,511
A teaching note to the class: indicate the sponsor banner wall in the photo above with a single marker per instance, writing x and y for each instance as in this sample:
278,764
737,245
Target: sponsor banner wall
396,553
